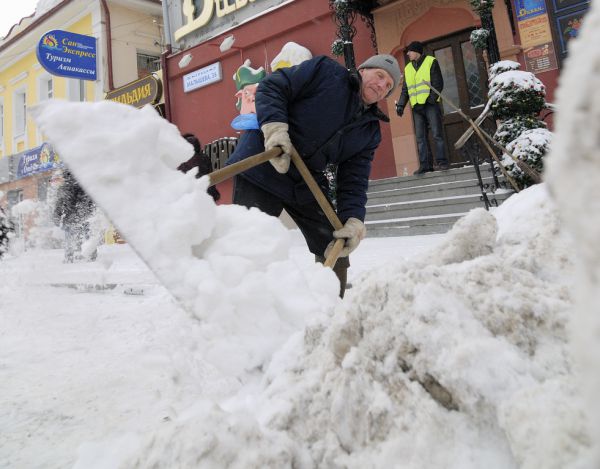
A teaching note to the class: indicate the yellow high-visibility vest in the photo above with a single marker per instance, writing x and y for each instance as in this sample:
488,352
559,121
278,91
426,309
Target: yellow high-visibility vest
418,91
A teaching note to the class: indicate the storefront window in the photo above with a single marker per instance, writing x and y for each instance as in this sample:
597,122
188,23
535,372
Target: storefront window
147,64
446,60
472,74
20,116
42,189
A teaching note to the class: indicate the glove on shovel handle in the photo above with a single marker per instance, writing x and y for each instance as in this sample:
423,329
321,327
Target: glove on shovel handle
334,254
234,169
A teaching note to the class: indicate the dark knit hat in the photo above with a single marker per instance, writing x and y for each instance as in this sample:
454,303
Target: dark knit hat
415,46
386,62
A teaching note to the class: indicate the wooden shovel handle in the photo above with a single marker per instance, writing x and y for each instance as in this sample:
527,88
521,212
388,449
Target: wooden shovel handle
227,172
316,191
334,254
234,169
324,204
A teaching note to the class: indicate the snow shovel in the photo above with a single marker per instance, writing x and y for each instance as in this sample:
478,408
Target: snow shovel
234,169
227,172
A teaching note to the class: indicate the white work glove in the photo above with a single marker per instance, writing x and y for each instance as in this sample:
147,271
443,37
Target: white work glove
353,231
276,135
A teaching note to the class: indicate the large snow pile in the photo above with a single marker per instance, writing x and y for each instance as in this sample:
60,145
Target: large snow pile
459,358
573,173
227,266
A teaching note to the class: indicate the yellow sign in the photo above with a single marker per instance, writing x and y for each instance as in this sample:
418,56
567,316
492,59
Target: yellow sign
138,93
222,7
535,31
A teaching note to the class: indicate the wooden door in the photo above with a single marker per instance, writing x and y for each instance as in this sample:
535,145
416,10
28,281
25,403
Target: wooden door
465,84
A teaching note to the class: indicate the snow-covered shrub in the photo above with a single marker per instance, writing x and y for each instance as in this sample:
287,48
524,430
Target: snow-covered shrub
479,38
482,7
503,66
530,147
337,48
516,93
516,99
511,128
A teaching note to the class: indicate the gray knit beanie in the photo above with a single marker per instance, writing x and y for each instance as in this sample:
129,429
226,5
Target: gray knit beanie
386,62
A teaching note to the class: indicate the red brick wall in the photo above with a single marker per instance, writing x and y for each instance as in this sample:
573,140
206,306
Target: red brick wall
208,111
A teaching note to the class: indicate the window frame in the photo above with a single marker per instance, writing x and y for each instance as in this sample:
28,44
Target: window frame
19,135
2,119
76,95
147,55
43,92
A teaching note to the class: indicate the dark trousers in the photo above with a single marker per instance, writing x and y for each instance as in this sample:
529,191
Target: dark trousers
311,220
429,116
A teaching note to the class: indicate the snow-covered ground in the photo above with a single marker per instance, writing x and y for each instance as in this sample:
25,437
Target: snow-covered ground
448,351
81,357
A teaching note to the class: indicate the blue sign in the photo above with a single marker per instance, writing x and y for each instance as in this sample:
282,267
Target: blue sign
529,8
68,54
37,160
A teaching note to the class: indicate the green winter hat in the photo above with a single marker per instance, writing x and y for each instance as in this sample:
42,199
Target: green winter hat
246,75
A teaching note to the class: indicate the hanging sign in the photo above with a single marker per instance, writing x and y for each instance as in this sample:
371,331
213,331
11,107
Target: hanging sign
37,160
138,93
68,54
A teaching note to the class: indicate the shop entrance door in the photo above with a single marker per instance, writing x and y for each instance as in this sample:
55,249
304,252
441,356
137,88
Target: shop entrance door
465,84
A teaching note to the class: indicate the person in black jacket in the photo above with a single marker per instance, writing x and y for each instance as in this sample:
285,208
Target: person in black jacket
330,116
72,212
425,105
201,161
6,232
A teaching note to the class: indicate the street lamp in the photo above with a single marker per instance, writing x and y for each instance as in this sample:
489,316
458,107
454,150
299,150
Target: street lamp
484,9
344,16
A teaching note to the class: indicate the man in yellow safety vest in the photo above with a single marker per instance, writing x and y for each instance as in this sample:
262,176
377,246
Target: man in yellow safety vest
425,105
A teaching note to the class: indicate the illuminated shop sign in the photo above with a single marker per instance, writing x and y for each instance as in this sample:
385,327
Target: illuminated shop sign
222,12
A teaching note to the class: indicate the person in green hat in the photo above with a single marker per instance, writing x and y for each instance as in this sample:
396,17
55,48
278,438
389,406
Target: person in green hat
246,81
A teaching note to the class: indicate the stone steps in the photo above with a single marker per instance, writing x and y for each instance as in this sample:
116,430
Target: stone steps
427,204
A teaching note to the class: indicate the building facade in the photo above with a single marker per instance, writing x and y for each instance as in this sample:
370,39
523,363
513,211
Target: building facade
259,29
127,34
218,36
534,33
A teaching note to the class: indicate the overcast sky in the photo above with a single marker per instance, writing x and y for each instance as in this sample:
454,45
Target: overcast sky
13,11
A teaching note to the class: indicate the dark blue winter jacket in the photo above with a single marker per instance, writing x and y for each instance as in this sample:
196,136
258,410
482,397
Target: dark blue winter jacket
328,123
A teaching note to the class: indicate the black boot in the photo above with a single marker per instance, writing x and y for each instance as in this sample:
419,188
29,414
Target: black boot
420,171
341,271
